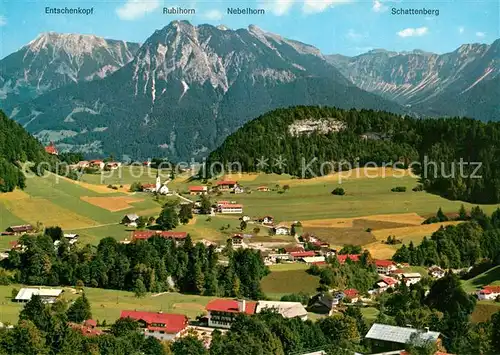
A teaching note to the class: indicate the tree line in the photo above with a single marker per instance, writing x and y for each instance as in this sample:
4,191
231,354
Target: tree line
373,136
153,265
457,246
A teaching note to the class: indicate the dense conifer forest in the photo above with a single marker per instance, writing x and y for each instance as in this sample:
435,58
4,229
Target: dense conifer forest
362,136
16,147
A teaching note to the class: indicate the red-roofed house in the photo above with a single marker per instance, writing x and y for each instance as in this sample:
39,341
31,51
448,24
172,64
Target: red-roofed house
144,235
385,283
488,293
231,208
51,149
302,254
96,164
342,258
352,294
88,328
294,249
221,312
263,189
226,184
385,266
198,190
162,326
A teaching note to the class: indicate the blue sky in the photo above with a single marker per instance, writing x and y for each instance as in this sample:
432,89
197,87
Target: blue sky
335,26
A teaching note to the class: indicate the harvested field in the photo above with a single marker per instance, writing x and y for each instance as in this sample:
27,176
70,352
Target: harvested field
33,210
112,203
380,250
415,233
402,218
188,306
15,195
243,177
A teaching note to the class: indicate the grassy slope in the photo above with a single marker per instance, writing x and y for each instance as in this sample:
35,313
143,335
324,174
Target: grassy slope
489,277
289,278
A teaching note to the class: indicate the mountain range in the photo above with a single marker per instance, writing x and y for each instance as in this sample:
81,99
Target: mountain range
460,83
182,91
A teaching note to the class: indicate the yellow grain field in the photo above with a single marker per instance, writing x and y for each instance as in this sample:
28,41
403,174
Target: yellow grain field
112,203
413,232
33,210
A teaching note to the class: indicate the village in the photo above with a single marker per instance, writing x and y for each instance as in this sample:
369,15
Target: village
281,243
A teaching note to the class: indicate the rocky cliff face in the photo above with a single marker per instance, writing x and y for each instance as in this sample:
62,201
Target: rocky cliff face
54,60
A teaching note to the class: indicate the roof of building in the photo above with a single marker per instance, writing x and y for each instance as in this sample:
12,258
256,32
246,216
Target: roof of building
231,306
226,182
343,258
401,335
303,254
174,323
286,309
51,149
90,322
163,234
389,281
132,216
86,330
231,205
21,228
25,294
70,235
351,293
281,227
294,249
490,289
197,188
384,263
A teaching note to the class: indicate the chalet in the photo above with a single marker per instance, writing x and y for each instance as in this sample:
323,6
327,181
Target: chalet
237,240
71,237
322,303
436,272
83,164
130,220
385,336
273,258
245,218
146,163
411,278
221,312
488,293
21,229
48,295
88,328
386,283
198,190
385,266
281,230
286,309
98,164
162,326
144,235
51,149
149,188
231,208
352,294
263,189
267,220
112,165
226,184
343,258
298,255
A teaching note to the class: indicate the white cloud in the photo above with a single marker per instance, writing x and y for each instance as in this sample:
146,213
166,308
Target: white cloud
3,20
461,29
352,34
134,9
277,7
213,15
413,32
480,34
315,6
378,6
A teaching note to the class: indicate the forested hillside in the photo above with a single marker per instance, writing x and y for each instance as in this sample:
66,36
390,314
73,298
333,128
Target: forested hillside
298,135
16,145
